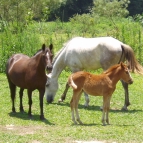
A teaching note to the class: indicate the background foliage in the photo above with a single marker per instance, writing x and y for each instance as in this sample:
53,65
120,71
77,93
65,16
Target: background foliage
26,24
48,10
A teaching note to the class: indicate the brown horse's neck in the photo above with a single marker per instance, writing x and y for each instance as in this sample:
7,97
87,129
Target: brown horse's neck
39,63
114,75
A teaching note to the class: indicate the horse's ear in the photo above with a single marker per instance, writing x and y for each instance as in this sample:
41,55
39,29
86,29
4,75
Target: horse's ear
122,64
43,47
51,47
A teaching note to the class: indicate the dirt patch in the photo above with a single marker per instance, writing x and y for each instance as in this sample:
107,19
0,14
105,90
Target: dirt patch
21,130
89,141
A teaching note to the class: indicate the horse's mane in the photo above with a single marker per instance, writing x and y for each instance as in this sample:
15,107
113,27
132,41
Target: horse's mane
111,68
37,52
59,52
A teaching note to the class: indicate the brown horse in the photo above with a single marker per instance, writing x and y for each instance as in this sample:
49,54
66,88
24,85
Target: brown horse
97,85
29,73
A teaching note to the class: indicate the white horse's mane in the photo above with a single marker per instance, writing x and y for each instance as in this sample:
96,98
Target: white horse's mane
59,52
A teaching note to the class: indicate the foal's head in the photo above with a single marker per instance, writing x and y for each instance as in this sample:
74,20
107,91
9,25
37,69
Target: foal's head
47,56
125,75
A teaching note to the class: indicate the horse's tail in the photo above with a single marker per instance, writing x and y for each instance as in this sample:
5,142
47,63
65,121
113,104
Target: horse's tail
71,83
129,55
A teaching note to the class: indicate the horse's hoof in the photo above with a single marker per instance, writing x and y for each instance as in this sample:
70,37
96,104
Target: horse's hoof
80,123
22,111
13,110
86,105
101,108
75,123
42,117
60,100
124,108
30,116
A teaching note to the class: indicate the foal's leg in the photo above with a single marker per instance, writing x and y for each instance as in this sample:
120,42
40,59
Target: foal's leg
77,97
108,108
126,103
105,103
103,118
63,96
41,95
30,102
72,102
21,96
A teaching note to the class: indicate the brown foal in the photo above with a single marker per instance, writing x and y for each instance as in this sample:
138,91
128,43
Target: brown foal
97,85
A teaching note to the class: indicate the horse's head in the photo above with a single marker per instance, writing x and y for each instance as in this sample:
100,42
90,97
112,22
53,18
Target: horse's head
125,74
47,56
51,88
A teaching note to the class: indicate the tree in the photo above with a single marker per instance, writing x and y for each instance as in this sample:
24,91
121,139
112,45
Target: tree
135,7
21,11
68,8
111,8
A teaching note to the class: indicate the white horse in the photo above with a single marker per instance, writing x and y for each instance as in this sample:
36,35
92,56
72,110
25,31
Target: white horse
90,53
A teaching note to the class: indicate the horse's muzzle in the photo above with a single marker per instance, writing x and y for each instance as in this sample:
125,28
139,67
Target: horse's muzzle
49,99
49,68
130,81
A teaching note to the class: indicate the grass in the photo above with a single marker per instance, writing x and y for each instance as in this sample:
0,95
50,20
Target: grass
58,127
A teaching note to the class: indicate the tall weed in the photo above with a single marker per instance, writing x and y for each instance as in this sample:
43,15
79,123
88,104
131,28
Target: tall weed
28,39
21,42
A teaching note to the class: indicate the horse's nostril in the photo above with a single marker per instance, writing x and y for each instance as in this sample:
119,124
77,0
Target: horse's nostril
49,67
130,81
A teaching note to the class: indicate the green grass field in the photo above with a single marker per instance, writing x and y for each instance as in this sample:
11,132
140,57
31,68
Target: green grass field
58,127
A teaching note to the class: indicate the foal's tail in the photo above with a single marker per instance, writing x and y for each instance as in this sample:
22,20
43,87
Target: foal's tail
129,55
71,83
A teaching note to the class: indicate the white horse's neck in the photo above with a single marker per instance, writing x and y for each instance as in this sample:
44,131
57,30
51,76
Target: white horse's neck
58,66
57,69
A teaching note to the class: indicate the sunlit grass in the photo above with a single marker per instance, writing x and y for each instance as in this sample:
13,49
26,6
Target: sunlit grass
58,127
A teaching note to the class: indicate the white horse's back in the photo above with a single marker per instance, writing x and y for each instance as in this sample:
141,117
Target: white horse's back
92,53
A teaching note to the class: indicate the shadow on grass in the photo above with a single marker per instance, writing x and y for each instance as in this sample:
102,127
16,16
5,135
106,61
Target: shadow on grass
97,108
24,116
95,124
85,124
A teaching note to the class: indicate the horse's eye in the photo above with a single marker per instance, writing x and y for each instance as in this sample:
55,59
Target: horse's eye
47,85
127,72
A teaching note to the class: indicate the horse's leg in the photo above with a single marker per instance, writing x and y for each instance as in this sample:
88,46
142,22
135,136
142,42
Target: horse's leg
30,102
105,98
103,118
86,104
78,95
41,95
12,93
63,96
21,96
108,108
72,102
126,103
